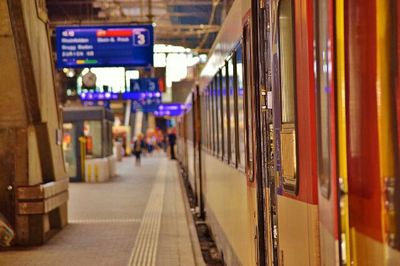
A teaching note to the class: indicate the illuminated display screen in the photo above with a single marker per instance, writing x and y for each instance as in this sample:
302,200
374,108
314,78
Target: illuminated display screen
104,46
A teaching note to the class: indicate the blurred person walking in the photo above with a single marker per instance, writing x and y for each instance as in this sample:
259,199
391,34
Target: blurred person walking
172,142
138,146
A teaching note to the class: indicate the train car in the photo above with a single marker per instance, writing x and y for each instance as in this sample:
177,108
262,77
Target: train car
294,132
221,174
295,153
368,154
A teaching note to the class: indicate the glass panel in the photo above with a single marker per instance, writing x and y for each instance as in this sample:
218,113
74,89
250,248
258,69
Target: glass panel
240,104
207,112
69,148
215,117
232,116
225,113
248,100
217,92
204,124
323,92
202,118
92,130
288,94
286,54
210,124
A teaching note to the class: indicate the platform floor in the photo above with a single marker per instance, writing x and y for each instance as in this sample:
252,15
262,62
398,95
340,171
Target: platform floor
138,218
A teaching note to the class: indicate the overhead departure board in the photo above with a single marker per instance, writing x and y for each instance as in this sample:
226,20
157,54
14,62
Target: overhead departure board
104,46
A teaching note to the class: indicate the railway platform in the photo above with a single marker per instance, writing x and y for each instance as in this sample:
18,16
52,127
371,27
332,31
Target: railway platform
283,117
137,218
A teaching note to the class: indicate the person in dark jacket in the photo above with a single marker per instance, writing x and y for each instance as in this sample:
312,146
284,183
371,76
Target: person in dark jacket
138,146
172,142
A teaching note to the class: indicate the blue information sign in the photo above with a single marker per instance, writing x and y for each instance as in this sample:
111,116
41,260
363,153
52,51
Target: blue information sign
99,96
104,46
145,85
146,105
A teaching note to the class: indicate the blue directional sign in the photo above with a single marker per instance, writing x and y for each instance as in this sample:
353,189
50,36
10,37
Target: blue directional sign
159,113
99,96
136,85
104,46
172,107
146,105
140,95
144,85
145,94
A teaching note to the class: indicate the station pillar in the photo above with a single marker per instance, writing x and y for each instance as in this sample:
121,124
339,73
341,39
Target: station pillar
33,183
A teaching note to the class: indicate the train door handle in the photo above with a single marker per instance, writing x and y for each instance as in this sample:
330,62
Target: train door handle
266,99
390,190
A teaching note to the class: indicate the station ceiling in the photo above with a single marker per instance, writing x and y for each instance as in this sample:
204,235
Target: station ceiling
189,23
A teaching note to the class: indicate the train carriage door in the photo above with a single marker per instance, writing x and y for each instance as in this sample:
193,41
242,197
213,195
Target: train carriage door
266,127
362,151
394,197
194,124
370,130
295,132
326,135
253,132
386,84
339,55
198,118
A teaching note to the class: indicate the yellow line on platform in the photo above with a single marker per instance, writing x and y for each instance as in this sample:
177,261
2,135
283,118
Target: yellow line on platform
145,248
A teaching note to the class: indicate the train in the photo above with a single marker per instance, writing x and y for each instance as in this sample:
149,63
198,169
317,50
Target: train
291,136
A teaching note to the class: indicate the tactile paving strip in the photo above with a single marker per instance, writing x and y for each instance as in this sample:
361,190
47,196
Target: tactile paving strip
145,248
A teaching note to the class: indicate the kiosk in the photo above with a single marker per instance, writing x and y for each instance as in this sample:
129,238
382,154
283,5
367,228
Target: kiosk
88,144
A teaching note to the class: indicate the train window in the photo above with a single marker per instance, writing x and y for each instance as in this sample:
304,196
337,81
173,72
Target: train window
209,127
225,113
211,110
232,107
210,118
203,119
323,95
218,90
240,108
288,96
214,118
248,102
217,114
206,112
286,45
203,114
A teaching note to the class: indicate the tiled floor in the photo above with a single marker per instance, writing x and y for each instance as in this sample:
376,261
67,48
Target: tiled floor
138,218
